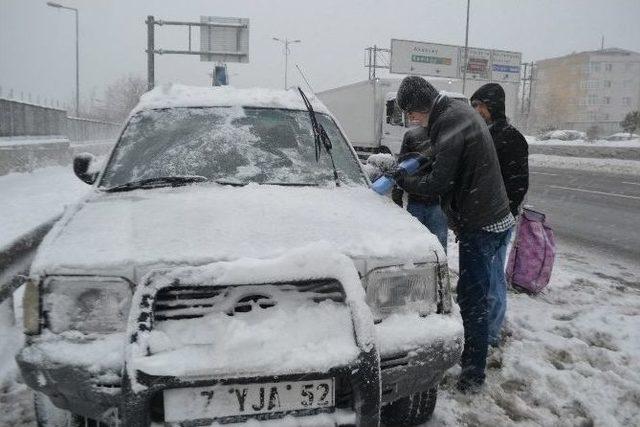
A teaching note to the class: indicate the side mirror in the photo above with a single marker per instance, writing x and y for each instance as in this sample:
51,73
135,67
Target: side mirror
81,164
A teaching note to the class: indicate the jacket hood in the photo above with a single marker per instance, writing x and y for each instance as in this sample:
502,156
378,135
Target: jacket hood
127,233
493,96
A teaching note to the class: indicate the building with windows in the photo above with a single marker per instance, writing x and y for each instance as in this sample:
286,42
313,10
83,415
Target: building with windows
586,89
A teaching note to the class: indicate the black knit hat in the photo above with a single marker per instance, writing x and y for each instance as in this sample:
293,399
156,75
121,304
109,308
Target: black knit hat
492,95
416,94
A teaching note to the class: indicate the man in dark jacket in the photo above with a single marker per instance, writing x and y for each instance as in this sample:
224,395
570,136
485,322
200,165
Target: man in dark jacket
466,176
426,208
513,155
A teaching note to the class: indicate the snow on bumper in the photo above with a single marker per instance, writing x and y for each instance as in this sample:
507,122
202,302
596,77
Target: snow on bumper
415,351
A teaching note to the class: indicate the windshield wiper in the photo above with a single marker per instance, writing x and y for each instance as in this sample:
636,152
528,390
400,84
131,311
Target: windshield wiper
159,181
320,136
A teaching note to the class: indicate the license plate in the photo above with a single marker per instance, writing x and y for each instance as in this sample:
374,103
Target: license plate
247,399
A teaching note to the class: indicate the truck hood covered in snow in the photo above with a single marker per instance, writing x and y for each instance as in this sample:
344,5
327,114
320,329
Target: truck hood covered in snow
127,234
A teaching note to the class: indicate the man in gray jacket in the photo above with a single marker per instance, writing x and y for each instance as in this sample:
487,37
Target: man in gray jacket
466,176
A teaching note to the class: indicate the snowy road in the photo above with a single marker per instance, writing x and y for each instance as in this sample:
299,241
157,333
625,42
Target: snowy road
599,210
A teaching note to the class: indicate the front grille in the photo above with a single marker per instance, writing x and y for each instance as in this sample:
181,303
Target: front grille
192,302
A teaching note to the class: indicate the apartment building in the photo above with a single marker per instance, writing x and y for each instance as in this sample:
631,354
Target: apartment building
584,89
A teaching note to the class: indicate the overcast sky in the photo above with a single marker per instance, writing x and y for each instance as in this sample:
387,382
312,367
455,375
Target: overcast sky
37,41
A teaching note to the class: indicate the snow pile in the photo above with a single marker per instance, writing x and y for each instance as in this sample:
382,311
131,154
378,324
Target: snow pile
204,223
622,136
563,135
30,199
571,355
616,140
629,167
296,335
177,95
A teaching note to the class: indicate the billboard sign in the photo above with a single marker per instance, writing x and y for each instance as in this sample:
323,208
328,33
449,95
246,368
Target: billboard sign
427,59
226,38
506,66
440,60
478,63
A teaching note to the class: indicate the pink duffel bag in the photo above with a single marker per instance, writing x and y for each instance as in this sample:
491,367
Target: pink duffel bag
533,253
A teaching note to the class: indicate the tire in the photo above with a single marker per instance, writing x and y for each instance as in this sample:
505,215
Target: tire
48,414
410,411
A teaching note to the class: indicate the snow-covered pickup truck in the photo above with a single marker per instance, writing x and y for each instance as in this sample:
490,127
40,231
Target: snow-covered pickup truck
219,272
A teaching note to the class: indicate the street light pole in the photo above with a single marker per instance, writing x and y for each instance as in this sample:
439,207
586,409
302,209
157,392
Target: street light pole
59,6
466,51
286,42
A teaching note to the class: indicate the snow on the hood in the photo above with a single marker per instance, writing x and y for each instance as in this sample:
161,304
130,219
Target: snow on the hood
177,95
204,223
296,335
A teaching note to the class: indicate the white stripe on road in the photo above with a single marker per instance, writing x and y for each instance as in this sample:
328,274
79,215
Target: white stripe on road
632,183
595,192
545,173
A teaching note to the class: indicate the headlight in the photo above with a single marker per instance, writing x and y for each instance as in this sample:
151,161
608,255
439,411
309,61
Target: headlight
399,288
86,304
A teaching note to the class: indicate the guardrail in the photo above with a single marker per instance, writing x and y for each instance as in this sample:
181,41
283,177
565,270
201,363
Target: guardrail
16,257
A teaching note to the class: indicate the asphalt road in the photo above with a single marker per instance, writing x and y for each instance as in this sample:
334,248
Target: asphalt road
601,211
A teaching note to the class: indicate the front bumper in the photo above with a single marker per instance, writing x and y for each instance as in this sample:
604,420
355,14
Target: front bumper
115,403
405,373
106,397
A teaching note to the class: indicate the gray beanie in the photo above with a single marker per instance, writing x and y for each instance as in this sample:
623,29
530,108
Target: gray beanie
416,94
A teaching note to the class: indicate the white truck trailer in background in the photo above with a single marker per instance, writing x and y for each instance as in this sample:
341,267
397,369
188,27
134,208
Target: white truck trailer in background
368,113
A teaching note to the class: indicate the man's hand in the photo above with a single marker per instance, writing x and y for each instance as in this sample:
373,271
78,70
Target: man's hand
397,174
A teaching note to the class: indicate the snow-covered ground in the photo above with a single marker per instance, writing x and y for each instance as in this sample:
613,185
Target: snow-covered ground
571,355
29,199
630,167
634,142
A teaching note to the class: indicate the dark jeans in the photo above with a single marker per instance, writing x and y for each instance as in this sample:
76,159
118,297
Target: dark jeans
433,218
497,298
477,250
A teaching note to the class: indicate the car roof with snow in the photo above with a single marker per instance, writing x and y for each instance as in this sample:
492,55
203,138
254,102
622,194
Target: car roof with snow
176,95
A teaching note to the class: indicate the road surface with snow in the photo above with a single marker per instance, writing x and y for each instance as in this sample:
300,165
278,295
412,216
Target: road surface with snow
596,209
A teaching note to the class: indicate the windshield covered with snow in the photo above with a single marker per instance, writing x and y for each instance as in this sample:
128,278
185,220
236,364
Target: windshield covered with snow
229,145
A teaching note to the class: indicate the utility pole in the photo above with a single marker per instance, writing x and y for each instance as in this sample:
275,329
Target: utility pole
59,6
524,85
530,87
151,79
375,60
286,42
466,50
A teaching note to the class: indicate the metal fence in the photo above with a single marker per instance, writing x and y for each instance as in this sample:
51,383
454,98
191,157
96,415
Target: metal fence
19,118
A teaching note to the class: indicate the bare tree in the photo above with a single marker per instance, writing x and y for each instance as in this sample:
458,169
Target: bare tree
122,95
